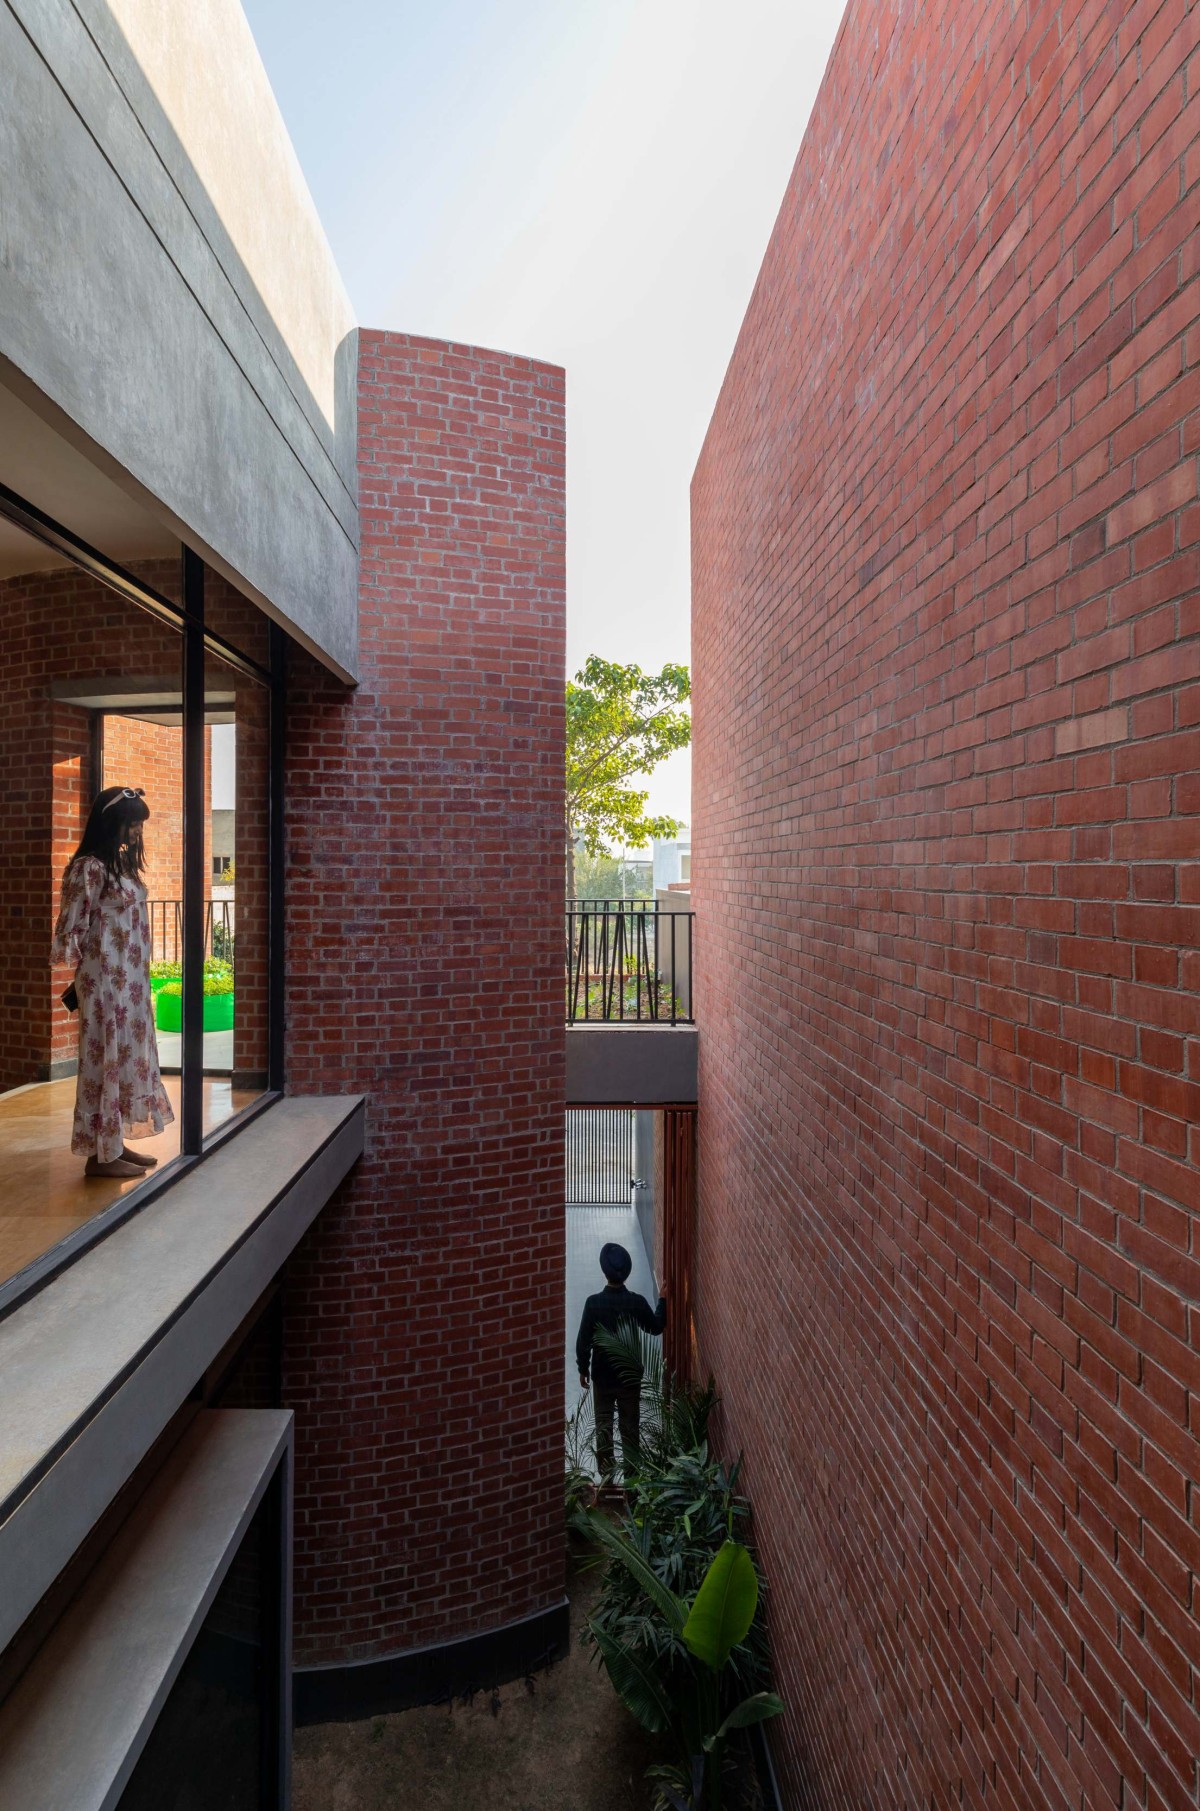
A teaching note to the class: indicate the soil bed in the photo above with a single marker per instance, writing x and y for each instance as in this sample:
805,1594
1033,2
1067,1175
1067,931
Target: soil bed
561,1742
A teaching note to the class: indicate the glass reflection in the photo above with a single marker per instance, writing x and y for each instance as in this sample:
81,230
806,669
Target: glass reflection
87,688
237,776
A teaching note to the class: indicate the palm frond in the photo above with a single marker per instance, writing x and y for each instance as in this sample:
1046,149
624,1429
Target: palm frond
636,1683
626,1553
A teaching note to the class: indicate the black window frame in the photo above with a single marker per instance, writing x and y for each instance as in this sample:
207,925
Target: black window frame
198,642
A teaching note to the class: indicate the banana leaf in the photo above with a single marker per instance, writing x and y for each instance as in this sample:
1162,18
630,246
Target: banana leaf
724,1606
757,1709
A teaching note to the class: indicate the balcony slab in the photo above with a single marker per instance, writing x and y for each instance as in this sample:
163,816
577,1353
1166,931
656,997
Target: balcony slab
631,1065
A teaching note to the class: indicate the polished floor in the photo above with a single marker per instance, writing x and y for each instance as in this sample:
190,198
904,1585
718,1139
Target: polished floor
46,1195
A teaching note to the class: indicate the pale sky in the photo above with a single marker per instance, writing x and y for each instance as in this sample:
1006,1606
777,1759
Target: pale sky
592,183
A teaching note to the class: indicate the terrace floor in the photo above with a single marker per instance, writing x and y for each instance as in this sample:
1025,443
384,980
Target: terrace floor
46,1195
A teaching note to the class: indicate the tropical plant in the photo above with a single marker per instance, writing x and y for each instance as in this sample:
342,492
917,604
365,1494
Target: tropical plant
581,1458
674,1415
682,1683
683,1513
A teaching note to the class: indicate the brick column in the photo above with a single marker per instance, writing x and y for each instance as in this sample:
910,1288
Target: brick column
424,1336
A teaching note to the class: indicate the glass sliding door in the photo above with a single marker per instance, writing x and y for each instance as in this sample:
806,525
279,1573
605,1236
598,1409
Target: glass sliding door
91,753
141,1003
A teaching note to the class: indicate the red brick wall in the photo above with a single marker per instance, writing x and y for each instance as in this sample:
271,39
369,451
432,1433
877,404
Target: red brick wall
63,627
947,785
424,1329
59,627
150,755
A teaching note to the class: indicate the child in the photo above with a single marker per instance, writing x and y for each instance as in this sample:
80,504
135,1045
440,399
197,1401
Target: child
613,1305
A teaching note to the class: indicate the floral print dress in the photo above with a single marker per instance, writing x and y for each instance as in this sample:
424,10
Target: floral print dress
103,933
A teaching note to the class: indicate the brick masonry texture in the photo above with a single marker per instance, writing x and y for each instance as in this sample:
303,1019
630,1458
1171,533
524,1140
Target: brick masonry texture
424,1336
946,536
64,629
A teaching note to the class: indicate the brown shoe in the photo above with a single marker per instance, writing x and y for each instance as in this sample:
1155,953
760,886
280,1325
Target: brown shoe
117,1168
144,1161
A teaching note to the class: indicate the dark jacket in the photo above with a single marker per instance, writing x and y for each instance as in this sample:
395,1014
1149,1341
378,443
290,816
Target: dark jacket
608,1309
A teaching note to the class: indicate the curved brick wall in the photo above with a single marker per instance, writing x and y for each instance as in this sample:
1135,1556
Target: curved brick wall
423,1343
947,778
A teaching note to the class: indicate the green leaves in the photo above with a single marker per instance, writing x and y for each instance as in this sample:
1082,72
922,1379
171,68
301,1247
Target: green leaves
618,1547
757,1709
637,1682
621,723
724,1606
676,1622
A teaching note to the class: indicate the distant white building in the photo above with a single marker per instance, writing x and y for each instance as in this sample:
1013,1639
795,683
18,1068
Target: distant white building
673,860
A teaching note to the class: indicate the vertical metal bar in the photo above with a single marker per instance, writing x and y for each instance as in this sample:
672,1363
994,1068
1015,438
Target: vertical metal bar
652,975
191,1131
679,1183
95,778
674,969
602,964
276,852
638,928
691,1008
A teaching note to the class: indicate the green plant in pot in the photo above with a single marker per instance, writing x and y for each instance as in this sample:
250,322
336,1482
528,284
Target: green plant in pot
218,1000
163,972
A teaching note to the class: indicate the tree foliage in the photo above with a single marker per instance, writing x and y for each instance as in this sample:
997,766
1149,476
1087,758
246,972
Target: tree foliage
621,723
611,877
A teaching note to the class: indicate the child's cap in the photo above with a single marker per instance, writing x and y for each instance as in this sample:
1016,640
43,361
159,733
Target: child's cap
616,1263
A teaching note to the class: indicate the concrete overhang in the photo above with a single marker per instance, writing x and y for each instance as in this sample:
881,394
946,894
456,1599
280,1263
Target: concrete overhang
631,1065
106,1670
190,343
98,1362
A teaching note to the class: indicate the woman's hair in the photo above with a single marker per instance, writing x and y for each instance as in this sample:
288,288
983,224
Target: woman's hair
113,833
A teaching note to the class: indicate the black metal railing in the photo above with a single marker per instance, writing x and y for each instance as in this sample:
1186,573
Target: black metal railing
166,929
628,962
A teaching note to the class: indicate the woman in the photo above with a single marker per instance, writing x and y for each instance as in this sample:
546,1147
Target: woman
103,933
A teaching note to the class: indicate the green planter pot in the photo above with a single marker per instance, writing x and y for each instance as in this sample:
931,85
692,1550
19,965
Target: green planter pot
218,1012
168,1012
157,981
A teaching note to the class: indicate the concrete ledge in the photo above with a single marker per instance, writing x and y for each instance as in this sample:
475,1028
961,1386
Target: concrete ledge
631,1065
431,1675
75,1724
96,1364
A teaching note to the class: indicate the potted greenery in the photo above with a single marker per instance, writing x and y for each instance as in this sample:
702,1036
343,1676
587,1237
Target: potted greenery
218,999
162,972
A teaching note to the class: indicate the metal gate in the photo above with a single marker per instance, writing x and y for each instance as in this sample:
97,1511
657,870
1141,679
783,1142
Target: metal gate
599,1156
